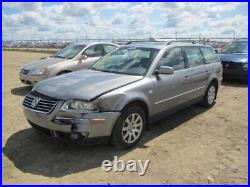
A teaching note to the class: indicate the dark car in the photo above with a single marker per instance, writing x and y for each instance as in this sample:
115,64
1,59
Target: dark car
234,59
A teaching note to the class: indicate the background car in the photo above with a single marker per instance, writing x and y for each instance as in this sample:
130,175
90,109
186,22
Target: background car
71,58
234,58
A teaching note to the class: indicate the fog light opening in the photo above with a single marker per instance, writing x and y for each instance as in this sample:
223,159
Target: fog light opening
73,128
75,136
54,133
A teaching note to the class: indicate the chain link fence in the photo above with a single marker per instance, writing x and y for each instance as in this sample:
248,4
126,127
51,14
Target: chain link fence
53,45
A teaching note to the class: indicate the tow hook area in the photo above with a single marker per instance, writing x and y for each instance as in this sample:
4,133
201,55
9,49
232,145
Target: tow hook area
54,133
75,134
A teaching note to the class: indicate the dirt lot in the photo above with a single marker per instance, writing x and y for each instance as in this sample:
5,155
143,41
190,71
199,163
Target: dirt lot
192,146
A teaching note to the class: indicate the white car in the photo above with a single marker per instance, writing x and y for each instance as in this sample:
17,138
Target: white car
71,58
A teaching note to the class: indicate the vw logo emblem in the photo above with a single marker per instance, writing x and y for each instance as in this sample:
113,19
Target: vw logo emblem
35,102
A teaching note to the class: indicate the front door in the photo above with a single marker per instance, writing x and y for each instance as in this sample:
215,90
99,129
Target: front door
93,53
169,89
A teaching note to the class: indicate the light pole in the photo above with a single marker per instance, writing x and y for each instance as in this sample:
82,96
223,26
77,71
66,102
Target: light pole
86,34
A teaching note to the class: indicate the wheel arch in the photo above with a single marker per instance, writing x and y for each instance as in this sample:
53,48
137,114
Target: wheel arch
142,104
216,83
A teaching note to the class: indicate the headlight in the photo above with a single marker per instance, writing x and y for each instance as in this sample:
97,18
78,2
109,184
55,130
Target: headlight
38,71
79,106
245,66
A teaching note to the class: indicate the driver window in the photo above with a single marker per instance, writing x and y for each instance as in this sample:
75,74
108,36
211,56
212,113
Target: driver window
94,51
173,58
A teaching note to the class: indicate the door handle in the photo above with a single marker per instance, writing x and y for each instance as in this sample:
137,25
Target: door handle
186,77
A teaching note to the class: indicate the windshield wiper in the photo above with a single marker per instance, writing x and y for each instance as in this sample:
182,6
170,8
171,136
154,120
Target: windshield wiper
57,56
240,52
92,68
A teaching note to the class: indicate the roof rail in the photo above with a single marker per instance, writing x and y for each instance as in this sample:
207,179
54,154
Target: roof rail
164,42
170,42
144,41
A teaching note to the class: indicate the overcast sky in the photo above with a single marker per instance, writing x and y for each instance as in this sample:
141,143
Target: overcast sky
121,20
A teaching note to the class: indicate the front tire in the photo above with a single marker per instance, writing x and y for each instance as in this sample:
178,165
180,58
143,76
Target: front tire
210,96
129,128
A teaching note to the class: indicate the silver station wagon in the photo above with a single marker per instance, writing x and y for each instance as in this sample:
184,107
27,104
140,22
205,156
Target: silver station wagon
71,58
122,92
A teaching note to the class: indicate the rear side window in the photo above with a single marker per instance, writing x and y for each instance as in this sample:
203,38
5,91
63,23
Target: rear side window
209,55
194,56
108,48
173,58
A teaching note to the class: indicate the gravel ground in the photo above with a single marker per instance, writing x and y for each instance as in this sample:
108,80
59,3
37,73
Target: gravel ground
191,146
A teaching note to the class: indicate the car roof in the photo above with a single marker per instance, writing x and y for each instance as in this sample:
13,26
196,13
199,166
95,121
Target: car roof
162,45
92,43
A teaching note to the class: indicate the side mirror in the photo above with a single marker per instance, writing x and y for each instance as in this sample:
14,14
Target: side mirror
83,57
166,70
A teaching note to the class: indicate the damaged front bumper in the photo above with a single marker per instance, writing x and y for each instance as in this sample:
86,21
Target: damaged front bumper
89,125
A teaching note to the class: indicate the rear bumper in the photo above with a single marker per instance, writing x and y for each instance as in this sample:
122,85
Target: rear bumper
30,79
88,125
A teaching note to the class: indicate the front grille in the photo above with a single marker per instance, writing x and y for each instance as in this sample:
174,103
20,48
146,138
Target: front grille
25,71
40,103
231,65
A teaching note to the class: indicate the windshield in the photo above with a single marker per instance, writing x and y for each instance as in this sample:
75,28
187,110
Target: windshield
69,52
235,47
126,60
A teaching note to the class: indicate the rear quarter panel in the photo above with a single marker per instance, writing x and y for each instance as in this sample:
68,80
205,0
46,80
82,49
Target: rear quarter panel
215,71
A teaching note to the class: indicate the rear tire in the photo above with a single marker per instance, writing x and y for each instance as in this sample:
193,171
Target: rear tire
210,96
129,128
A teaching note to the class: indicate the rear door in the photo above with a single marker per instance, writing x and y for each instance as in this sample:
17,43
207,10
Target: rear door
197,75
210,58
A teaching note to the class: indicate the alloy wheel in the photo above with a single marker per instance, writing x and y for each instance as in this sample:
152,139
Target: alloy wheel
132,128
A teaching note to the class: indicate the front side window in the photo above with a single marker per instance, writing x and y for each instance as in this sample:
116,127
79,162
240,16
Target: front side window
194,56
173,58
209,55
94,51
127,60
69,52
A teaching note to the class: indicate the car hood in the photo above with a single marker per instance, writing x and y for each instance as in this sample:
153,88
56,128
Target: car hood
83,84
42,63
240,58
